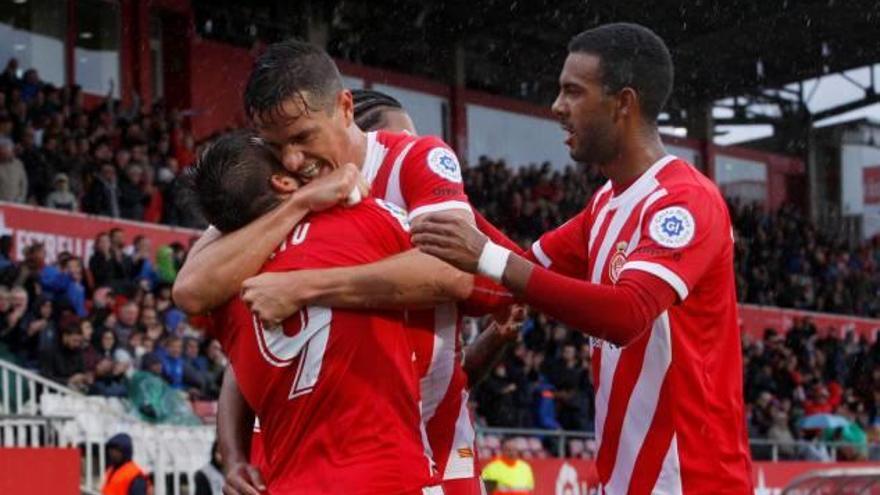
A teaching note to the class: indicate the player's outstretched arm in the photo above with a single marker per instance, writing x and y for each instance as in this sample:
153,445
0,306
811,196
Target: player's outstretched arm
488,348
618,313
235,424
217,265
409,280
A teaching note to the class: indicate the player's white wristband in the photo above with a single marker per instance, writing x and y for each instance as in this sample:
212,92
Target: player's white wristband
354,197
493,261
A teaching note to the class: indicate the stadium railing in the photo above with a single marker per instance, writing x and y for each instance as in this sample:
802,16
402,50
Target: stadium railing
41,413
847,480
559,443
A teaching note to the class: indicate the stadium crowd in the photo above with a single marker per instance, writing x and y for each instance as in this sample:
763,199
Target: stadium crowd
89,323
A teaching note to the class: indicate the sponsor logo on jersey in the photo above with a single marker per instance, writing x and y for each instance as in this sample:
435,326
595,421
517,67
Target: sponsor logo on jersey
617,262
465,453
672,227
443,162
397,212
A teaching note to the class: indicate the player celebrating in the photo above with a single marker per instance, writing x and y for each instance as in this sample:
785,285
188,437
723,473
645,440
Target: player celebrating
373,111
335,390
296,100
653,252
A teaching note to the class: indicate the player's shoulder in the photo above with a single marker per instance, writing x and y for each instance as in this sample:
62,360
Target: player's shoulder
392,140
684,182
432,154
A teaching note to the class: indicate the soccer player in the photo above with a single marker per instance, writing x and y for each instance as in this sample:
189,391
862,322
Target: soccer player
646,269
335,389
296,100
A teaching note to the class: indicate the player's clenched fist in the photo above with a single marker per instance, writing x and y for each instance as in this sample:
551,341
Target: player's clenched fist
450,238
243,479
272,297
343,185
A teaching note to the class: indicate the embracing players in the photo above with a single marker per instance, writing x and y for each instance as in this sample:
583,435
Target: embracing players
299,107
335,390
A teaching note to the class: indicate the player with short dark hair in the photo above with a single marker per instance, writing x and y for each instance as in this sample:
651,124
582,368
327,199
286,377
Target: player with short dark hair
631,56
335,389
231,178
646,270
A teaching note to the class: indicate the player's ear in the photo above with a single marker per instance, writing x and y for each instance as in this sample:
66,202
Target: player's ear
284,183
627,102
345,104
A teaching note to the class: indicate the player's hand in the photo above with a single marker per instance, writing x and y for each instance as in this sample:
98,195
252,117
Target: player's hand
243,479
332,189
509,321
450,238
272,297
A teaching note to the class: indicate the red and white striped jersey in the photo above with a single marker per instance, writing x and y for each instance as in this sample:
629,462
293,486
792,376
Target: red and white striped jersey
422,175
669,406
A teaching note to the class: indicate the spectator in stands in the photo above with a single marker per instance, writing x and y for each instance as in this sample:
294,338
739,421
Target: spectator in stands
102,198
16,319
64,283
572,389
132,198
498,398
66,364
110,364
142,265
61,198
123,476
13,177
127,319
508,473
173,363
38,331
209,479
216,367
9,77
780,433
192,357
108,264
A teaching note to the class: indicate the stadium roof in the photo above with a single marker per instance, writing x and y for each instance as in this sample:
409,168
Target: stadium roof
750,48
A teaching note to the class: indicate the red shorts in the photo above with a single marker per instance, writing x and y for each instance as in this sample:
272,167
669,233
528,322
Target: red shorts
464,486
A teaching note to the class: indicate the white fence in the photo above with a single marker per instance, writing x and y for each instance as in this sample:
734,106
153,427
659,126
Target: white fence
35,411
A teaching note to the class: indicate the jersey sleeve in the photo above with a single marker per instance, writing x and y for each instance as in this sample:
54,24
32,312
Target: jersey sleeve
683,233
430,178
564,250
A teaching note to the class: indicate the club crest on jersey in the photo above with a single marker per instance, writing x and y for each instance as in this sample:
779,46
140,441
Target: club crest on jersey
397,212
443,162
672,227
617,261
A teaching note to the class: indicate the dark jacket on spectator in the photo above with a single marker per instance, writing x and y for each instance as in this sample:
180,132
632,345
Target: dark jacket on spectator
62,363
109,271
102,198
132,200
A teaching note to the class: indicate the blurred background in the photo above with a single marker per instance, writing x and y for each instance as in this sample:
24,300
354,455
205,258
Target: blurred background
103,104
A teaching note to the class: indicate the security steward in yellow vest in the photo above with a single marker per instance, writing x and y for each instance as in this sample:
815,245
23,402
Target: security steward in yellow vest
507,474
123,476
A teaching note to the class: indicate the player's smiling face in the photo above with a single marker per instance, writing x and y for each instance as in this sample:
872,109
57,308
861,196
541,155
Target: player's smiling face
586,110
309,140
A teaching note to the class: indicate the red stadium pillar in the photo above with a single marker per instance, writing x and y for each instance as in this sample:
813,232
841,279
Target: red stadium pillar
70,44
458,105
143,64
126,49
